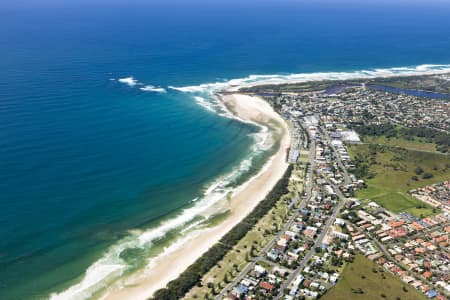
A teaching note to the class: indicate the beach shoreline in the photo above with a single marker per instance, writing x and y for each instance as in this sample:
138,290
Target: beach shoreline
245,199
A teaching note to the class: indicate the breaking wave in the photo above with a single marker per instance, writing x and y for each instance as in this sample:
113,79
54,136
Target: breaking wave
133,82
208,105
128,80
204,93
252,80
151,88
112,266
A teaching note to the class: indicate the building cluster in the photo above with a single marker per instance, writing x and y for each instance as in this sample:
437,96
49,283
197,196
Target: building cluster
416,250
357,104
307,255
315,279
328,226
259,283
436,195
293,245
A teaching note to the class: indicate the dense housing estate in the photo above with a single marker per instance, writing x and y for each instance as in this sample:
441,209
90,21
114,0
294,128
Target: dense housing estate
358,104
437,195
329,226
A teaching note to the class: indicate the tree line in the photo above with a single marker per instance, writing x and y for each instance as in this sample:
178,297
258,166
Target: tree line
192,276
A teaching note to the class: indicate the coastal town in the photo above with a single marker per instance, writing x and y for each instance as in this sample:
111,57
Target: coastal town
225,150
328,226
358,104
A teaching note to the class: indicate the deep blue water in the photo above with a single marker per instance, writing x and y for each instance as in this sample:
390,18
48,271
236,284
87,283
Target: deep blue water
84,158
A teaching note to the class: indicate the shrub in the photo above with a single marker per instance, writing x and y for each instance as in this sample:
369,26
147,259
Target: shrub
427,176
418,170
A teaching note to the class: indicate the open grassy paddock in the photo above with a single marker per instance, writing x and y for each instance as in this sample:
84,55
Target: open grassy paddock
365,276
416,144
392,172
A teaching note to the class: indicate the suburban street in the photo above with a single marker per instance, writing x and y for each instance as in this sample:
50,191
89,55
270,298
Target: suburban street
304,201
311,238
262,253
338,158
318,243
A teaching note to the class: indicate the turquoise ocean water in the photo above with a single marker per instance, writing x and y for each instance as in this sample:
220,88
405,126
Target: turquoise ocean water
110,142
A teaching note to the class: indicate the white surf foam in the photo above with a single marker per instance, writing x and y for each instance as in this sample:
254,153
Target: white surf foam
151,88
99,274
205,104
191,89
204,93
129,81
111,266
133,82
251,80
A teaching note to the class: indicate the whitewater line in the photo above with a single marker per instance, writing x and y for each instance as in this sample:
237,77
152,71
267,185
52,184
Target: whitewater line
110,267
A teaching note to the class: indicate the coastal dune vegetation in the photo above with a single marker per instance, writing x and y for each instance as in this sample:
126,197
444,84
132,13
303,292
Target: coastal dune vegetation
178,287
249,247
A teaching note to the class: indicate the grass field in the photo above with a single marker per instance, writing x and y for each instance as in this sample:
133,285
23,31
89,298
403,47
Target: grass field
304,156
393,170
360,275
415,144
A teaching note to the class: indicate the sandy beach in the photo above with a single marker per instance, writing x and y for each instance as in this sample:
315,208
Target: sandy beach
169,266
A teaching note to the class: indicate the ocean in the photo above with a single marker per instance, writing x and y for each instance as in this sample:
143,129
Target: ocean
111,144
